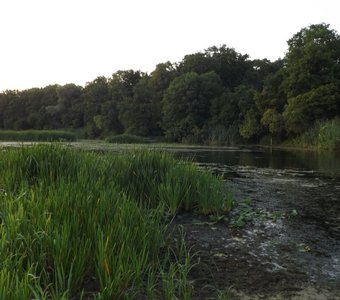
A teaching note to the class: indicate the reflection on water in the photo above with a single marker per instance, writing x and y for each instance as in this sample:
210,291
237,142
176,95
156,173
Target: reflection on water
326,162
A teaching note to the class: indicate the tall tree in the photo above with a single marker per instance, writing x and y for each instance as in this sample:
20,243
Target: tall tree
230,65
312,77
139,114
122,85
96,93
70,105
8,111
250,128
225,62
199,63
186,105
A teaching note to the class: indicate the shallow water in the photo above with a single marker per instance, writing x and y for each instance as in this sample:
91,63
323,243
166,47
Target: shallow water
307,183
307,244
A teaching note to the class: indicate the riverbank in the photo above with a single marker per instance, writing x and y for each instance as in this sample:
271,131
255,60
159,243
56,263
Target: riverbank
321,137
282,243
231,263
84,225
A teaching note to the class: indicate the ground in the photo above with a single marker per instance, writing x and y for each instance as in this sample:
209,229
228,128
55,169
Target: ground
236,263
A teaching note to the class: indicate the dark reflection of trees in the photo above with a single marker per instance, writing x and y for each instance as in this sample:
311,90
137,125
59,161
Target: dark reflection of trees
327,162
252,159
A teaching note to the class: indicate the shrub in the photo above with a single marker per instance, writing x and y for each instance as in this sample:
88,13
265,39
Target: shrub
37,135
323,135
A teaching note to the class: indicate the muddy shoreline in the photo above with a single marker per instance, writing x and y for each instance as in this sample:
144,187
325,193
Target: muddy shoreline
236,262
294,255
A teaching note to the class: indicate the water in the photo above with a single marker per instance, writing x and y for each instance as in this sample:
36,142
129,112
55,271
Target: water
305,186
306,245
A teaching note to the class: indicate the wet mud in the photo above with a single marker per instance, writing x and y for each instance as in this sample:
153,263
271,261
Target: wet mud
293,256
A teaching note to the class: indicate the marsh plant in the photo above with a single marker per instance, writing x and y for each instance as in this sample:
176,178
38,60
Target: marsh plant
127,139
37,135
75,224
323,135
246,214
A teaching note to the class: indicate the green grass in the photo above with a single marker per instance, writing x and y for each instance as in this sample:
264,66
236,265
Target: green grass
37,135
127,139
79,225
323,135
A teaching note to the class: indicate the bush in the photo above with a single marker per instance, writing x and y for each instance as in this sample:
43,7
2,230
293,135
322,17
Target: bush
329,134
37,135
226,136
323,135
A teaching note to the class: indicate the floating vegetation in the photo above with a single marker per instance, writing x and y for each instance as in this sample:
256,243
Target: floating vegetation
127,139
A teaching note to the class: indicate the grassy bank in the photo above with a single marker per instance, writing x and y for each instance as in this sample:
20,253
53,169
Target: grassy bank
37,135
127,139
323,135
80,225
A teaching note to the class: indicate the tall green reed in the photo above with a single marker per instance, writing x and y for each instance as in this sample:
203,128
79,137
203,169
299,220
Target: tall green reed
37,135
323,135
75,223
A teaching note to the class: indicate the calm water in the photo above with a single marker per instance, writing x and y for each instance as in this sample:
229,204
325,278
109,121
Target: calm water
325,162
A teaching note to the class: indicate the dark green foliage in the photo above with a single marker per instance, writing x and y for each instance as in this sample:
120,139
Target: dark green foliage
250,127
224,135
312,77
272,95
140,114
187,104
320,103
312,59
229,65
37,135
69,106
216,96
323,135
100,110
273,121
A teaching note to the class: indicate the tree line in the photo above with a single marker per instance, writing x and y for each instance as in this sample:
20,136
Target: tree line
214,96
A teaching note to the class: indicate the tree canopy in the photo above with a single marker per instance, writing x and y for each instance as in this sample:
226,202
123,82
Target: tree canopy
216,95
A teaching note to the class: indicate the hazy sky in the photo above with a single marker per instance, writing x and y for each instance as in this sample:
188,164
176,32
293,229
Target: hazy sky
74,41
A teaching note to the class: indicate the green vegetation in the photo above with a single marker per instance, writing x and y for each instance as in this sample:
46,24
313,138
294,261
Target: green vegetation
82,225
216,96
37,135
127,139
245,214
323,135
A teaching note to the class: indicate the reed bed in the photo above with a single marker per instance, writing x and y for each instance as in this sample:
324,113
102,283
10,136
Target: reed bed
37,135
323,135
127,139
80,225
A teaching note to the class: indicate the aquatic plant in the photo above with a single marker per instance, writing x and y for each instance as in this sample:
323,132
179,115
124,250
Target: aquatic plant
127,139
246,214
37,135
323,135
75,224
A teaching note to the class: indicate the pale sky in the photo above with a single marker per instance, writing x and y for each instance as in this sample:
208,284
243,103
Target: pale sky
74,41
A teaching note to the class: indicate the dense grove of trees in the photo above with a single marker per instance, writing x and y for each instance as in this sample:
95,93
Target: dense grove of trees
214,96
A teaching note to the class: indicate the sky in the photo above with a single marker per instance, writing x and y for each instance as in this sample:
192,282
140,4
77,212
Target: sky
74,41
